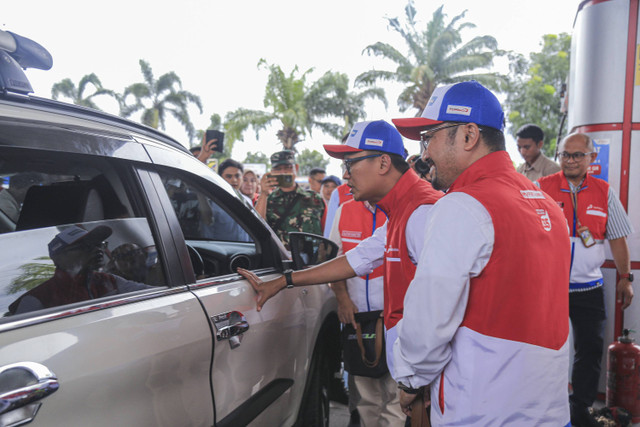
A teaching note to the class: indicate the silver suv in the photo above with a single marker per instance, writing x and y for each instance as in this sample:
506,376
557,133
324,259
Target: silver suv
119,300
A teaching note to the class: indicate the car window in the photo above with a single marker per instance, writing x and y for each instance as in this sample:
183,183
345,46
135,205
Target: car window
217,240
200,217
69,233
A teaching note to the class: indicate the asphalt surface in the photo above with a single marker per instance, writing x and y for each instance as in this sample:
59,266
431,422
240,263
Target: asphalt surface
338,415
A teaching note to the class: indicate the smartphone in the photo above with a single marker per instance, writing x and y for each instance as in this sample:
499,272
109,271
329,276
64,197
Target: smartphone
284,180
215,134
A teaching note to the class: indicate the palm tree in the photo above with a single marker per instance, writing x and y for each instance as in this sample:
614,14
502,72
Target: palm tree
69,90
301,107
435,56
156,98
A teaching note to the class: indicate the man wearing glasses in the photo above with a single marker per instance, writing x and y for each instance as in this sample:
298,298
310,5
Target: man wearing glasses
485,319
593,213
376,170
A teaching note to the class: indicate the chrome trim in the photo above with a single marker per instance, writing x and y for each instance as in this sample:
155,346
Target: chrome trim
125,299
47,383
215,281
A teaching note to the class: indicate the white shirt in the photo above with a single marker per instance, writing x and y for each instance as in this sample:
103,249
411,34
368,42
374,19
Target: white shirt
440,288
369,254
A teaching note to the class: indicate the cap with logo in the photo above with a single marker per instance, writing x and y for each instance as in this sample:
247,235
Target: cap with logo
465,102
75,235
285,157
375,135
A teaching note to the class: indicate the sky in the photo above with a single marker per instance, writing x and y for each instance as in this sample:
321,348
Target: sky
215,46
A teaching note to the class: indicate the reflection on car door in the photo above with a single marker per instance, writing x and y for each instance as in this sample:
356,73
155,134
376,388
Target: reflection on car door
135,355
267,358
258,356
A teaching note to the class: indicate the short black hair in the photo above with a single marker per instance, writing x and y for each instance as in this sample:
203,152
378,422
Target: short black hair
316,171
530,131
194,149
493,138
230,163
399,163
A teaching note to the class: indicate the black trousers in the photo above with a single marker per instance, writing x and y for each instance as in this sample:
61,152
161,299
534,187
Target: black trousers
587,314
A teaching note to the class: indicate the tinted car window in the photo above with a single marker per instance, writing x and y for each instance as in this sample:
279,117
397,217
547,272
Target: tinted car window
217,240
69,233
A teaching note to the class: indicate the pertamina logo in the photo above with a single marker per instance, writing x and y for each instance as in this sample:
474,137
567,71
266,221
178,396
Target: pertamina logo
459,109
544,218
347,233
374,142
532,194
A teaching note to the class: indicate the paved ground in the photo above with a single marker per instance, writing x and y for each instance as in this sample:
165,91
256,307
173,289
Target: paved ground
338,415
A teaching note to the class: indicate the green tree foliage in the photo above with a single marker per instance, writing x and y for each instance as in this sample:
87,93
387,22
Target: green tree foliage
157,98
33,274
257,157
68,89
435,55
308,159
300,106
535,90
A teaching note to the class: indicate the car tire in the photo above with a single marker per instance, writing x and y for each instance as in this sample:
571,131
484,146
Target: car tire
315,412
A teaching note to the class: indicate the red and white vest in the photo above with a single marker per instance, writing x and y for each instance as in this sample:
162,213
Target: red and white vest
409,192
510,354
522,290
356,224
592,202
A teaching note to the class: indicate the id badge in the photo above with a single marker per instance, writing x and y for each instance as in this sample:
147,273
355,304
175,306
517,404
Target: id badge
587,238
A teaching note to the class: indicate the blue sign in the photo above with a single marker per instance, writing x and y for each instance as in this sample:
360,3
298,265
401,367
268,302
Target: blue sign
600,167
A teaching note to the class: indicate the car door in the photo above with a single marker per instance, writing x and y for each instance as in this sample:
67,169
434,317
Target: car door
259,358
134,348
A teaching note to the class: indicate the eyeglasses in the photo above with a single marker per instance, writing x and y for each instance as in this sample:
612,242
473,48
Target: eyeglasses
576,157
426,135
349,162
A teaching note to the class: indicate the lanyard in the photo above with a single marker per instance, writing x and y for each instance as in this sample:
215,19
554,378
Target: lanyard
574,202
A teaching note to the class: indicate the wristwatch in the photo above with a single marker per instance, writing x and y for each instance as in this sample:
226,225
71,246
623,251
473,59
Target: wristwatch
628,276
287,277
408,389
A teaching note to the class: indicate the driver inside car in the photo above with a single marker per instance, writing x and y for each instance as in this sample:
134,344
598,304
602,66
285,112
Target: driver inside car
78,256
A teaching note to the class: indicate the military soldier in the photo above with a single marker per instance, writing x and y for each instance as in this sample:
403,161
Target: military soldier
288,207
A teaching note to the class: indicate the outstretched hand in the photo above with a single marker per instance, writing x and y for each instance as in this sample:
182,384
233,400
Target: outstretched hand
265,290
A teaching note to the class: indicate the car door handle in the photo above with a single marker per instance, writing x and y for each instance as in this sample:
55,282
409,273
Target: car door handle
227,332
230,324
23,384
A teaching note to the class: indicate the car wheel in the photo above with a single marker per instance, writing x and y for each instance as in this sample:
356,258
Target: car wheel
316,408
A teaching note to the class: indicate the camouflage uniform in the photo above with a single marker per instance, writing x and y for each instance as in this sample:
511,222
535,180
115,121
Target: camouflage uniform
305,215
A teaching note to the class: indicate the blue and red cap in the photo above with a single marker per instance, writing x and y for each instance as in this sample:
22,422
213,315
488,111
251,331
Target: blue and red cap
375,135
465,102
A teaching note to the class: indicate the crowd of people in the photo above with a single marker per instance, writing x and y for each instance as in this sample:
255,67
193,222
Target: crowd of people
478,269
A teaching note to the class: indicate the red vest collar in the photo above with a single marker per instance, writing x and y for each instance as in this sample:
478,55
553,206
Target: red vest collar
392,200
489,166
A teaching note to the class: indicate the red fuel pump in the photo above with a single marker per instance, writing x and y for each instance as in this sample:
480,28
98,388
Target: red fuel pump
623,375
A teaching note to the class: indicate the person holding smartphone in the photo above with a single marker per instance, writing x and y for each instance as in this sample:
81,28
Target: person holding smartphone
285,205
211,142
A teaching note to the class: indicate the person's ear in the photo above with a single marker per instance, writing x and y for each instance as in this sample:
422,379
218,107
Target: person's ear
385,163
471,136
297,169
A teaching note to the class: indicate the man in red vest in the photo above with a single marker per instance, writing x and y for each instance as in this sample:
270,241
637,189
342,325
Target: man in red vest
376,399
376,170
486,321
594,214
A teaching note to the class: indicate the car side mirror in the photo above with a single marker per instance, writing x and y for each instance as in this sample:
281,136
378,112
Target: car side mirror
310,249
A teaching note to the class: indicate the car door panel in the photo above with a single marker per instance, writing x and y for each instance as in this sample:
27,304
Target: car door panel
141,363
273,348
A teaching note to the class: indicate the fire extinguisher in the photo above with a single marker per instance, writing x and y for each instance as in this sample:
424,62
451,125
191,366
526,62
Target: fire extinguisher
623,375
